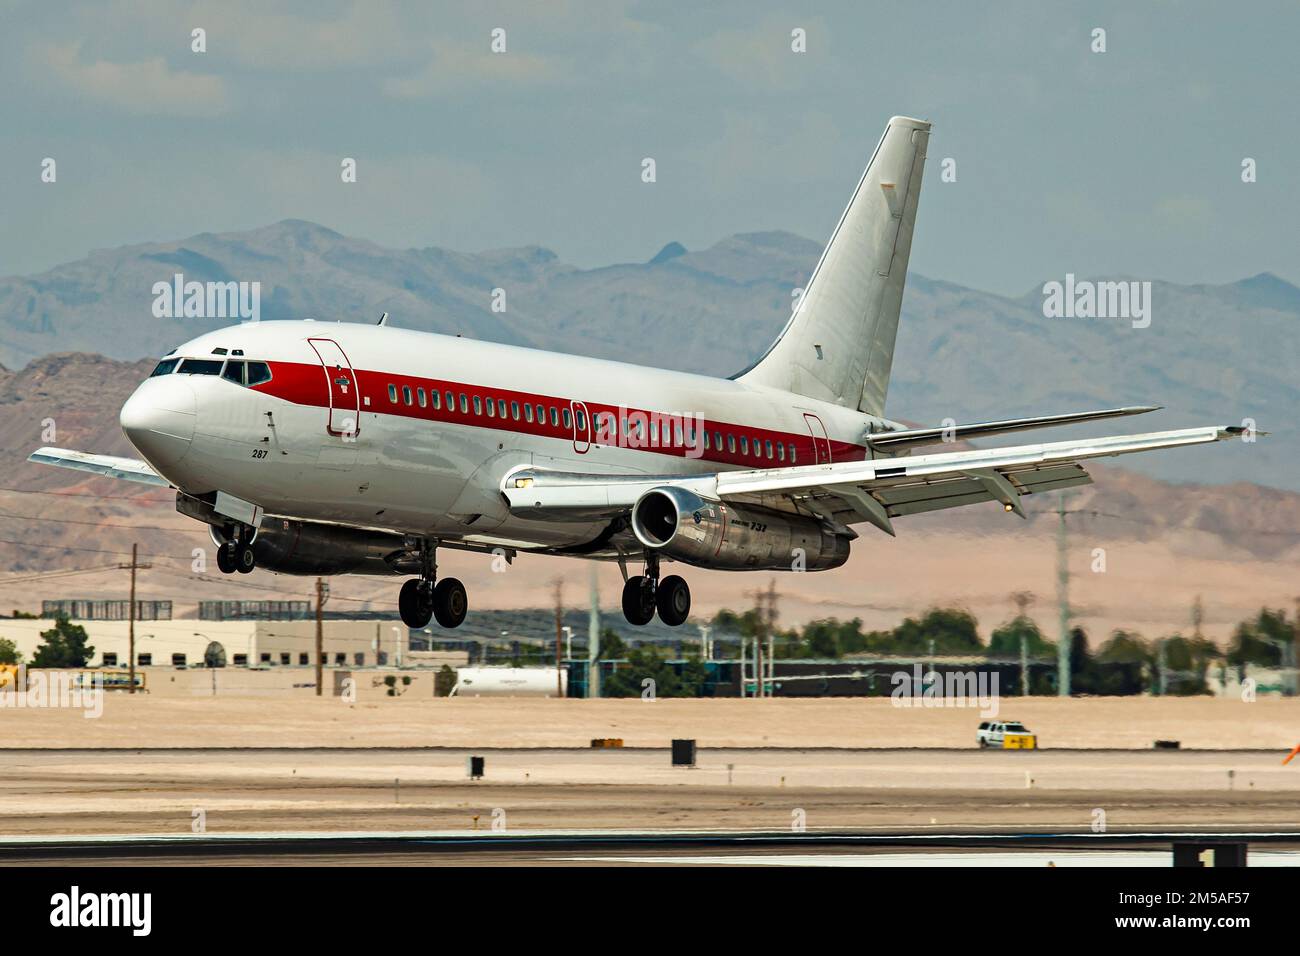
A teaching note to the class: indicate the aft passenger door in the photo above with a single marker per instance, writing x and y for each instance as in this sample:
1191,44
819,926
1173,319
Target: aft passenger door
345,399
821,443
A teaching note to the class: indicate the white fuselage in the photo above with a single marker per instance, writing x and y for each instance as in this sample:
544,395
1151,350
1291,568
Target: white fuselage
324,439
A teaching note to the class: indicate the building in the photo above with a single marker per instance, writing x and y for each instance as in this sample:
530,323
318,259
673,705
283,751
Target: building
237,643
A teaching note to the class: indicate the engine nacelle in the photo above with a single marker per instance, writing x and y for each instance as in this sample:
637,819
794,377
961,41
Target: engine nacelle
305,547
710,534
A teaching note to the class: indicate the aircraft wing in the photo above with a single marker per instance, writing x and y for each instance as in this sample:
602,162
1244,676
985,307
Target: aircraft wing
904,439
110,466
850,492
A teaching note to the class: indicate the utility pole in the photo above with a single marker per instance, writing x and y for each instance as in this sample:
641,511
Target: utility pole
130,628
1023,599
593,637
760,622
559,636
1063,602
322,595
771,637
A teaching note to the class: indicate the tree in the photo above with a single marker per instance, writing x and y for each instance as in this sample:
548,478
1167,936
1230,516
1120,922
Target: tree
1083,671
612,647
950,630
1257,641
646,662
1005,641
9,653
63,645
1122,665
444,681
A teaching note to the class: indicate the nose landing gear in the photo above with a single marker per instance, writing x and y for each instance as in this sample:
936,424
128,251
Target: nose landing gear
643,594
421,599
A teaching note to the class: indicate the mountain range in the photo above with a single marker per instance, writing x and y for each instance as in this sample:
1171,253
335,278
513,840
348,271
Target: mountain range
1217,354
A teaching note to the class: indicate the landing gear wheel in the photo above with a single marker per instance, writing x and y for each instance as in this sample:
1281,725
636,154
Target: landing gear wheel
450,602
673,598
414,604
226,558
245,560
638,600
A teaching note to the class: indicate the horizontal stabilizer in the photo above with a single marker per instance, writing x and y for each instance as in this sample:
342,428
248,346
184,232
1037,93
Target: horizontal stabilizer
897,441
110,466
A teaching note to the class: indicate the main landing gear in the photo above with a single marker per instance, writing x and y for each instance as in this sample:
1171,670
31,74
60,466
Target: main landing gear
643,594
422,599
236,552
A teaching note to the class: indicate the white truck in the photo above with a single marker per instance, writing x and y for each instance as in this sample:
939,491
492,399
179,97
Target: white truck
994,733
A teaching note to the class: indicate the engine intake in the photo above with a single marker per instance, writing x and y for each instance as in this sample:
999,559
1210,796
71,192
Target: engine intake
710,534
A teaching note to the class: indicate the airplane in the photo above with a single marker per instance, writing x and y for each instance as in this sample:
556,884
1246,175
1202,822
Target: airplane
348,448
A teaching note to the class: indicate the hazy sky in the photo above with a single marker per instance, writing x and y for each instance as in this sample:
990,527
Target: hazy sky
1124,162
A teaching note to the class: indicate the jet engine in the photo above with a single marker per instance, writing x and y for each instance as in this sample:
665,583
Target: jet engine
306,547
710,534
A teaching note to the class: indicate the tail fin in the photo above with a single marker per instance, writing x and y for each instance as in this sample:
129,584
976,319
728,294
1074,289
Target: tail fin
839,344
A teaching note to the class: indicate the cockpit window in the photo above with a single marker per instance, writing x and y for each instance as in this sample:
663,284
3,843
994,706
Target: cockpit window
234,372
164,367
201,367
258,372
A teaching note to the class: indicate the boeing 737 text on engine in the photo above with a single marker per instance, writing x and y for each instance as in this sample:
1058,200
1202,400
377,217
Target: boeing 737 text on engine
364,449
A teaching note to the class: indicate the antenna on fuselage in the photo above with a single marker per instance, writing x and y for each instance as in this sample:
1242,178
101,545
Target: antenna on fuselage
383,319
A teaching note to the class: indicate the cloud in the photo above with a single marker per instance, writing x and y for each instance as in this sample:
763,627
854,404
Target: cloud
148,86
453,67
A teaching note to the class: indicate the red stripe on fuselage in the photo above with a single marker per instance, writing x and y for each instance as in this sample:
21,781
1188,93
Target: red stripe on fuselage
302,384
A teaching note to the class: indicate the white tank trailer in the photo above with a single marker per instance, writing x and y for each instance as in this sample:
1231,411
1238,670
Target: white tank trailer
508,682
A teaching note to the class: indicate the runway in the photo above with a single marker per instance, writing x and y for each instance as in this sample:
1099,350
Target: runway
663,847
85,793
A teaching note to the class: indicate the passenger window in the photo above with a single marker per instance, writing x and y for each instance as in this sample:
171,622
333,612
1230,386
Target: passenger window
201,367
758,447
478,405
514,410
717,440
234,372
731,444
568,419
768,447
491,408
541,414
419,396
792,458
706,441
392,393
406,394
436,396
582,419
257,373
464,404
744,445
528,412
451,402
780,451
555,417
164,367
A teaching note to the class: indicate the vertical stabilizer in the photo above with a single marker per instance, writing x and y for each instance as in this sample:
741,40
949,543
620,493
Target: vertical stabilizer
839,344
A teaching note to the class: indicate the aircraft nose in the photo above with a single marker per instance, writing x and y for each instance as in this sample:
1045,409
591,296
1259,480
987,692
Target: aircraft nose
159,419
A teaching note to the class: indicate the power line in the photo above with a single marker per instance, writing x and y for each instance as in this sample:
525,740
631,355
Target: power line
96,524
82,494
